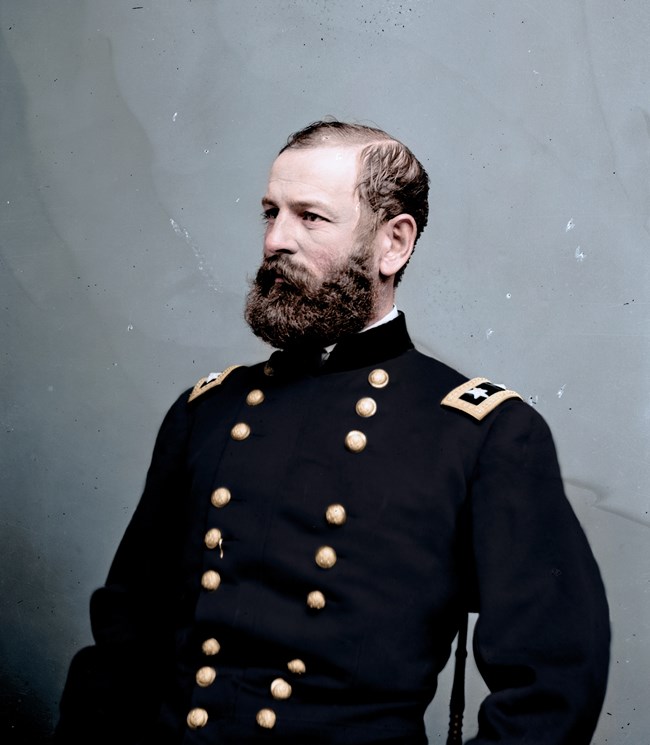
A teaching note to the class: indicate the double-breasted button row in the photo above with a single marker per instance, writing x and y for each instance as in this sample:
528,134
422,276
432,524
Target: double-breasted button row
205,677
355,440
210,581
241,430
325,556
219,498
280,690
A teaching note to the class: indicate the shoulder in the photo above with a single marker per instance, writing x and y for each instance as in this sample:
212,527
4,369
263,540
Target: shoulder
499,411
477,397
181,413
509,429
207,383
468,398
180,417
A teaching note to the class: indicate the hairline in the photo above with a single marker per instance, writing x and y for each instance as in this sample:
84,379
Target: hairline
340,140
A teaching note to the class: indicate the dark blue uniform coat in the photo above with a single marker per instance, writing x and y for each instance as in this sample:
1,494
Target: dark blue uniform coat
441,513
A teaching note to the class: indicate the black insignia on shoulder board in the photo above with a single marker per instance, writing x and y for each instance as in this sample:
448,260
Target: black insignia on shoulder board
477,397
210,381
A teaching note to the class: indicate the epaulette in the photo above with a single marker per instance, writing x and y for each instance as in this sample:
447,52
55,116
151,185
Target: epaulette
214,378
477,397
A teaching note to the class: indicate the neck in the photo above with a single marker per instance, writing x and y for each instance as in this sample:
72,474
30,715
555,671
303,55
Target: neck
385,303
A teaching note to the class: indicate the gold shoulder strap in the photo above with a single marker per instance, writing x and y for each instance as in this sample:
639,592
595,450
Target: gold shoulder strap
210,381
477,397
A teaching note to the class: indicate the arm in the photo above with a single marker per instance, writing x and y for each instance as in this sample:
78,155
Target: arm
113,687
542,639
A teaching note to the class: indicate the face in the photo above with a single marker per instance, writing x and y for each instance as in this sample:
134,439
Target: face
319,278
311,208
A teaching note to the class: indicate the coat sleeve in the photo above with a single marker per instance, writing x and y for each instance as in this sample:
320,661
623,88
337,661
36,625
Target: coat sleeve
541,640
113,688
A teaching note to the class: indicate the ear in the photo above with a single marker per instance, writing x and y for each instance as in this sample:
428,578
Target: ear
397,238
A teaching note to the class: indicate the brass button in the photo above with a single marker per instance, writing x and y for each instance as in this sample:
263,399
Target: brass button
197,718
210,580
240,431
297,666
326,557
280,689
316,600
266,718
366,407
378,378
335,514
268,370
213,538
210,647
205,676
255,397
355,441
220,497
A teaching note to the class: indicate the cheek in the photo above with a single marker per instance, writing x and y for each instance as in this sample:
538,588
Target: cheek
321,257
324,254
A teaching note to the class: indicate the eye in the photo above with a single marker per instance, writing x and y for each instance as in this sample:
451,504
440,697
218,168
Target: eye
270,214
311,217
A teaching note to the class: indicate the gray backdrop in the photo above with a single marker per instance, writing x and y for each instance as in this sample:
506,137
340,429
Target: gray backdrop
136,138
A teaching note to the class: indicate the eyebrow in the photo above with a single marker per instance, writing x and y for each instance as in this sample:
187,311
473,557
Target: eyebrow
301,205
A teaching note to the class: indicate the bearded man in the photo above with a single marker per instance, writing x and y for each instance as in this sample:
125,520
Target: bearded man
315,528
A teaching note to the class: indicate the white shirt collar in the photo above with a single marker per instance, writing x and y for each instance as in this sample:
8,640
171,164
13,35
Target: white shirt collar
392,314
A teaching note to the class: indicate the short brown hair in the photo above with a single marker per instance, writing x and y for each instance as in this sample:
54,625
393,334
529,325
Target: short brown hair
392,180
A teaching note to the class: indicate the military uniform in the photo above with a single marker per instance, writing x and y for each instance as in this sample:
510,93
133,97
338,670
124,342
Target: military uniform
310,537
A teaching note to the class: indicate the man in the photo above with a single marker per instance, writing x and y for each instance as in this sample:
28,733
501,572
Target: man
314,529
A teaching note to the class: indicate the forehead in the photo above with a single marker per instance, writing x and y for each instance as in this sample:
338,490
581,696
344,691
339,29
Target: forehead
324,171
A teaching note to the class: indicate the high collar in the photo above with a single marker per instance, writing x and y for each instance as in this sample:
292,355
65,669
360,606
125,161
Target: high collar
352,352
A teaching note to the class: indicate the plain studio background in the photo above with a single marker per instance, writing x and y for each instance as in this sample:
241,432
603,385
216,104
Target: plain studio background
136,138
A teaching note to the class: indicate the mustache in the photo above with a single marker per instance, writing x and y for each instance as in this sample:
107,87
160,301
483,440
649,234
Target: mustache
280,266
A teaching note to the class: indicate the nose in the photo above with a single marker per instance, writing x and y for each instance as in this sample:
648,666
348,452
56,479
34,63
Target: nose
279,236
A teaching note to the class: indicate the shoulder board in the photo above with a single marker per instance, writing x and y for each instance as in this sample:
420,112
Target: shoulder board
213,379
477,397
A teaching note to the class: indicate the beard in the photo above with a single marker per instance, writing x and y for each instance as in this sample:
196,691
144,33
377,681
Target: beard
304,310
